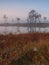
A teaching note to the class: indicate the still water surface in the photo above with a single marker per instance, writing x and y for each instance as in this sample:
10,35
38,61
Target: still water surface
14,30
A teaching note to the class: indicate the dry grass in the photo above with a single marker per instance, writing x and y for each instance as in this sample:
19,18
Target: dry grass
32,47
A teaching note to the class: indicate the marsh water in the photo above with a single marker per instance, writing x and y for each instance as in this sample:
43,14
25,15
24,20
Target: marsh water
6,30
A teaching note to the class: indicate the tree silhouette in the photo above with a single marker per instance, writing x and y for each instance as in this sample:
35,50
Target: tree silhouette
45,22
5,18
5,21
45,19
32,19
39,19
18,21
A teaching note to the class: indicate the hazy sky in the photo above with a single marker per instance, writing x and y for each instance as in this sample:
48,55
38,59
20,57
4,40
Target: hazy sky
20,8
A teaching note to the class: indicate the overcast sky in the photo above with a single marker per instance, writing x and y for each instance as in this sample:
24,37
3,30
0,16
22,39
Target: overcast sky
20,8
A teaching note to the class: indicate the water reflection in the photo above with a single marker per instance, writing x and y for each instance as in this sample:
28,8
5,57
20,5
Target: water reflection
21,30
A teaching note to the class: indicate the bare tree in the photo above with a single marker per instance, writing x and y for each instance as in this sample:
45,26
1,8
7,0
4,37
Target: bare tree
39,19
18,21
5,21
45,19
32,19
45,22
36,17
5,18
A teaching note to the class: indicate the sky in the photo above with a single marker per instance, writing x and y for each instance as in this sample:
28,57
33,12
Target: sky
21,8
